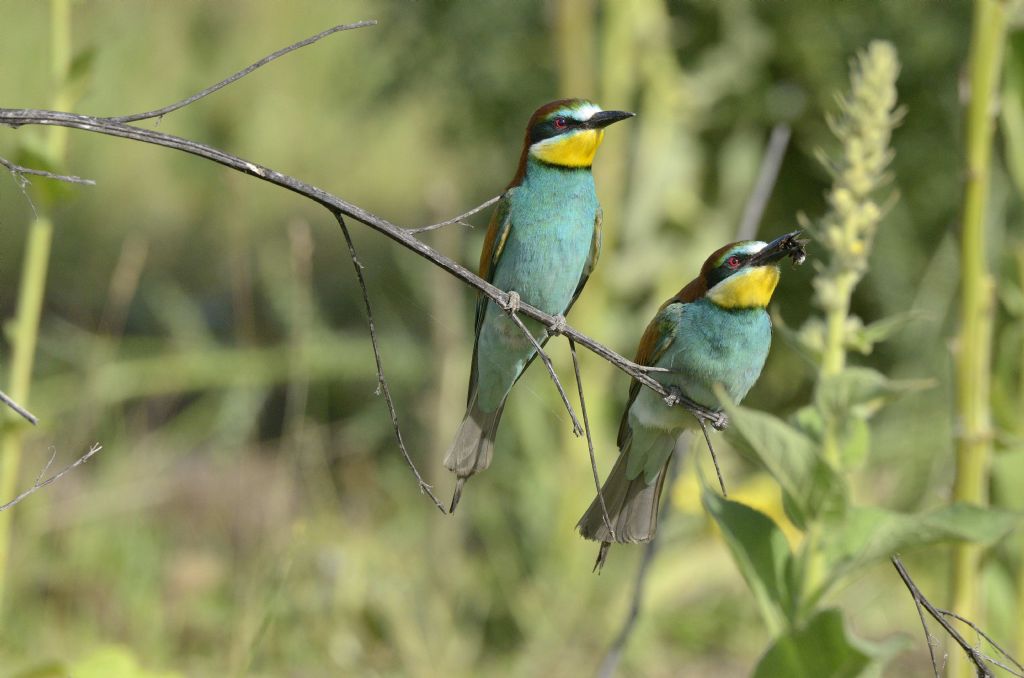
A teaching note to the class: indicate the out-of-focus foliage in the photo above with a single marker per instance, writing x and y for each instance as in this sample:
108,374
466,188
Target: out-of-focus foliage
250,514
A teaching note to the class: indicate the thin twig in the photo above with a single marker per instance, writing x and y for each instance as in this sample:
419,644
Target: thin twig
6,400
39,484
240,74
577,429
765,184
714,457
455,220
19,172
987,637
382,383
929,640
590,442
614,655
976,657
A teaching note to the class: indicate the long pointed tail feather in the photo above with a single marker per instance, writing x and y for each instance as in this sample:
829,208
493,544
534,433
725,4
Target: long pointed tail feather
473,448
632,509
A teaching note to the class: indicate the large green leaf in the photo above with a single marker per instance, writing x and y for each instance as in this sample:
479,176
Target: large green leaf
810,484
761,552
822,648
867,534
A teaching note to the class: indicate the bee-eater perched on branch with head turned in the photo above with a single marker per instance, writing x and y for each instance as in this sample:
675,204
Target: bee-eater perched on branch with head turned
542,243
715,331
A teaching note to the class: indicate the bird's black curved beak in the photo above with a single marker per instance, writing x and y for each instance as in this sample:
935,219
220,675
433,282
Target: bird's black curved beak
605,118
788,245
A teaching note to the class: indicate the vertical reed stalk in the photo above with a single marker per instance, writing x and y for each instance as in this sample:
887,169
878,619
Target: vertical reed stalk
32,286
973,348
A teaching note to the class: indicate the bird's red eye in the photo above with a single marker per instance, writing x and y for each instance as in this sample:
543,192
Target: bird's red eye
561,123
733,262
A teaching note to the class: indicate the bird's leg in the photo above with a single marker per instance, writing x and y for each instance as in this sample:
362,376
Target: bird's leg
512,301
557,326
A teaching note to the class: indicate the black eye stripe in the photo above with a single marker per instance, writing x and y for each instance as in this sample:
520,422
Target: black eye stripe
547,129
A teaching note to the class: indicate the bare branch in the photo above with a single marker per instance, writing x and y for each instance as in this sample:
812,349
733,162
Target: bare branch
6,400
39,484
590,442
455,220
978,658
19,172
340,208
160,112
382,383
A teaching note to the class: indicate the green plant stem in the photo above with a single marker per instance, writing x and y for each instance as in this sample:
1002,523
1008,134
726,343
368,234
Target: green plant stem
32,286
833,360
30,302
974,343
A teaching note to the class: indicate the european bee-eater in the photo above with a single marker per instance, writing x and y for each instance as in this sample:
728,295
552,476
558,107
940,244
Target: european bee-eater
713,331
542,243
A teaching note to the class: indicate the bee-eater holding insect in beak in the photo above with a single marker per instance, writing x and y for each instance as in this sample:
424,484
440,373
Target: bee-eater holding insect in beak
714,331
542,244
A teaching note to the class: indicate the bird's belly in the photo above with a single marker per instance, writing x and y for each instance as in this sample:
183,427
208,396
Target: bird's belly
545,267
721,348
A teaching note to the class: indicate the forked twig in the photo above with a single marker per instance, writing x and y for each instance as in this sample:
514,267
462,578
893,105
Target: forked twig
39,484
977,657
455,220
987,637
160,112
590,442
382,383
18,171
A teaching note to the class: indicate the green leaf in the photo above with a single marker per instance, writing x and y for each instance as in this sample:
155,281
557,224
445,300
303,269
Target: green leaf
761,552
820,648
867,534
855,442
864,338
811,486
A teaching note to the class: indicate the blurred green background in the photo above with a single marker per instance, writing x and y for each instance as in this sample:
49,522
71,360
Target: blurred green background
250,513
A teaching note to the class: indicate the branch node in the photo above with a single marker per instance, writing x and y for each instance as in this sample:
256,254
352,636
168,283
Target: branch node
557,326
512,302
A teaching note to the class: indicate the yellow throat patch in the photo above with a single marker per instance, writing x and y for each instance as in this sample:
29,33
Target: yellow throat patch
569,150
751,288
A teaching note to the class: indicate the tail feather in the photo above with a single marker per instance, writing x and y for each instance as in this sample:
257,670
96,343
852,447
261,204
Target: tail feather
473,448
632,509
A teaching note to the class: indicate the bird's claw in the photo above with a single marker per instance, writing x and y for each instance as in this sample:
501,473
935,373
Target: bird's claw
557,326
718,419
512,302
674,396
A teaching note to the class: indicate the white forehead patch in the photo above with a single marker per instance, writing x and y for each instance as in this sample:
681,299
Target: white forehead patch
753,247
587,111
